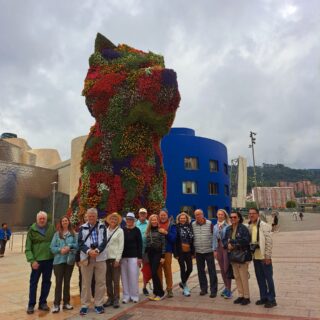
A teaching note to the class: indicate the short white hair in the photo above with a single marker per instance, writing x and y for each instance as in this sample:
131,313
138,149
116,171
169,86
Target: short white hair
92,210
42,213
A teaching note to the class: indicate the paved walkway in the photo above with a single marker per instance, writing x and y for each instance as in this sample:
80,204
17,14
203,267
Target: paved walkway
296,261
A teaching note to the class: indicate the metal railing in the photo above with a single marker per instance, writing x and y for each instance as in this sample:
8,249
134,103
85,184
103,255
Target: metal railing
16,243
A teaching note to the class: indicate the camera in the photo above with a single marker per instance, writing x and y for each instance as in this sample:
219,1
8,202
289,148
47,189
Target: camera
254,247
93,246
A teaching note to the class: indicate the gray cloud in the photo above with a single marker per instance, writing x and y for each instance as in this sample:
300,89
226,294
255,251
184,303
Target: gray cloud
242,65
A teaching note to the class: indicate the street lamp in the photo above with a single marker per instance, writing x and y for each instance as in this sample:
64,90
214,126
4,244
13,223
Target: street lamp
253,142
54,183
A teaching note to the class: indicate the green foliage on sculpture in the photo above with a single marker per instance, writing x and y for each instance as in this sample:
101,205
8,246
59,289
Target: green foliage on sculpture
133,98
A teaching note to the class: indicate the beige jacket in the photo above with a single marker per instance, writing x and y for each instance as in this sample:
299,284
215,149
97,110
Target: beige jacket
265,239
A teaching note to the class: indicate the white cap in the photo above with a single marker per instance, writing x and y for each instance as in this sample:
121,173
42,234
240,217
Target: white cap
130,215
143,210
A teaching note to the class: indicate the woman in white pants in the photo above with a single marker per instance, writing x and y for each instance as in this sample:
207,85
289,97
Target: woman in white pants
131,260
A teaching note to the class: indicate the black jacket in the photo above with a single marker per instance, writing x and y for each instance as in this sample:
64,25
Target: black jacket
178,248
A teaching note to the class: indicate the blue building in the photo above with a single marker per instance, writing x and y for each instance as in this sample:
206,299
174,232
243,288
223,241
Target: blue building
197,173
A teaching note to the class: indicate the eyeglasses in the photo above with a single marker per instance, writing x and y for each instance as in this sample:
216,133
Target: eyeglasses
234,217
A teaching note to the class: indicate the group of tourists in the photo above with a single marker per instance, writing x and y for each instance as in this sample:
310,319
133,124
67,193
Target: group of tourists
117,249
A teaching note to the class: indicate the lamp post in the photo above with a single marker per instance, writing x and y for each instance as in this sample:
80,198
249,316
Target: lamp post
54,183
253,142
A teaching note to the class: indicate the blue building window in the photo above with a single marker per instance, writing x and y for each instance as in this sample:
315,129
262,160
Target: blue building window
191,163
226,190
213,165
226,168
212,212
189,187
213,188
189,210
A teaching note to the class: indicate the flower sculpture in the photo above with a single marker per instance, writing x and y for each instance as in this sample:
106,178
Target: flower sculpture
133,98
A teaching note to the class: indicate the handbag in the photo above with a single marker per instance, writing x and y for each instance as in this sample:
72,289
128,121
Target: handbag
237,256
185,247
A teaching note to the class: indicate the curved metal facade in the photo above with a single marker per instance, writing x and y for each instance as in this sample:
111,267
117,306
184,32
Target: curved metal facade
197,173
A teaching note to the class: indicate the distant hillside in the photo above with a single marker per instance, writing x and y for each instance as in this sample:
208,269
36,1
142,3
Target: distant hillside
270,174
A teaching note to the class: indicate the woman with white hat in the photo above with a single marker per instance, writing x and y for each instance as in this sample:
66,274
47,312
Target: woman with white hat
115,243
131,260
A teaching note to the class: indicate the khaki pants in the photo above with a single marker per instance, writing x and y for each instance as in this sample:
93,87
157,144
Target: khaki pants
166,266
240,272
99,271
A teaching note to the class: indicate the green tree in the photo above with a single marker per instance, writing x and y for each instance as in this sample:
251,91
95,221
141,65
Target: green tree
291,204
251,204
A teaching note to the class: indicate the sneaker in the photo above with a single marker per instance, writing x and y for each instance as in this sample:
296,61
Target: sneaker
228,294
30,310
157,298
145,292
261,302
55,309
186,291
152,297
44,307
67,306
83,311
108,303
238,300
270,304
223,292
116,303
124,301
99,309
245,301
170,294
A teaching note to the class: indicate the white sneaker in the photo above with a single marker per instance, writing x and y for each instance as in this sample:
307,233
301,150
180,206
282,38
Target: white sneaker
55,309
67,306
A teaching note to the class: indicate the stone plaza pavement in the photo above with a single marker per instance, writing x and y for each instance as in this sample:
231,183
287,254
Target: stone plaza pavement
296,260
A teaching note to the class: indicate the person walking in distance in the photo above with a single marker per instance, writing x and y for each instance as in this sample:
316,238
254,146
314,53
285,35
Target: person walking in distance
5,234
203,237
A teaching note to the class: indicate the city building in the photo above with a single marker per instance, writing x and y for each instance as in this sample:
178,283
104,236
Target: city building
239,182
304,187
197,173
272,197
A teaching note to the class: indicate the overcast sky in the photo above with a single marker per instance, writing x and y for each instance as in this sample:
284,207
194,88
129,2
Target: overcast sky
242,65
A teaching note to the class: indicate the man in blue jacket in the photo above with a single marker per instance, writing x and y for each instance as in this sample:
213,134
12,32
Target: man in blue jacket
5,235
168,228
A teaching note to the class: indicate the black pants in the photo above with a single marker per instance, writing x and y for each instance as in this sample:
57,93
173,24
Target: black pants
63,273
202,259
154,260
2,246
45,269
185,263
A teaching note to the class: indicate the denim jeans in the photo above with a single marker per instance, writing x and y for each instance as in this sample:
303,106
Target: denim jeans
264,275
45,269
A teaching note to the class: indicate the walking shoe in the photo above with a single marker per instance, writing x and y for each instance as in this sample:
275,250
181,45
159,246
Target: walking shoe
238,300
170,294
261,302
67,306
30,310
55,309
108,303
83,311
245,301
145,291
203,292
228,294
116,303
124,301
213,294
99,309
223,292
186,291
44,307
157,298
152,297
270,304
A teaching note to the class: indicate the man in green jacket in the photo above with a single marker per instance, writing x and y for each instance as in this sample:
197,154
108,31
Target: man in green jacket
39,255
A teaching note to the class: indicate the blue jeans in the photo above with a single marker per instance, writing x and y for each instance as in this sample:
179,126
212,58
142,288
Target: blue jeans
45,269
264,275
